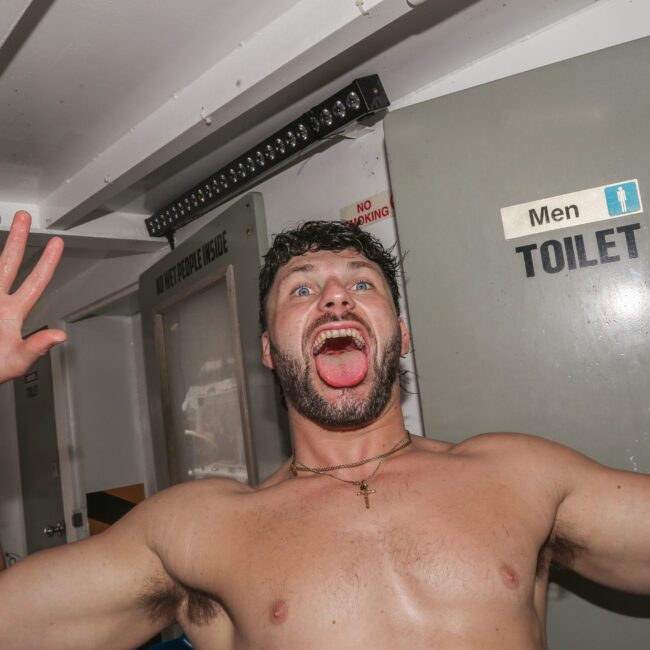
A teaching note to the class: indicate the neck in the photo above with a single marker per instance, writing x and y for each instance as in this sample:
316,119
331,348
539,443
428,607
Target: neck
318,446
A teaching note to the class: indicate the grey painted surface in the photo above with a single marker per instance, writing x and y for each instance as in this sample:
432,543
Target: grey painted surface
565,354
12,523
103,382
39,456
243,225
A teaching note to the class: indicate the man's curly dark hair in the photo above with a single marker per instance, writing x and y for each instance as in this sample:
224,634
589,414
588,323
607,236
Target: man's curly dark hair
312,236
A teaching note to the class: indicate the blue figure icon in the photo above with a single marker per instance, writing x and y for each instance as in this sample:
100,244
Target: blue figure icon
622,199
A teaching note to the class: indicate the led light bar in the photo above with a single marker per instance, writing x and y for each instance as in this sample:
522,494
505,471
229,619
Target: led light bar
361,98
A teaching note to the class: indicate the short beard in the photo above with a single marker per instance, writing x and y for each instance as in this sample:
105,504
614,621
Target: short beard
349,411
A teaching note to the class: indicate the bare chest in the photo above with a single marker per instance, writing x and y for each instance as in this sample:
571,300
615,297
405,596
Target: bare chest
425,560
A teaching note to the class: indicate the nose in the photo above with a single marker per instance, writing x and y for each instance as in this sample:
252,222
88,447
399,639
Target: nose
335,298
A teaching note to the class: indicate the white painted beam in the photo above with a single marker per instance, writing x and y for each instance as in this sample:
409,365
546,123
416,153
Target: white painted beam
9,209
73,240
306,36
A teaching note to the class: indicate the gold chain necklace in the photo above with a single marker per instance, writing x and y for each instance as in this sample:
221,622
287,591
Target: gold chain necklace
364,491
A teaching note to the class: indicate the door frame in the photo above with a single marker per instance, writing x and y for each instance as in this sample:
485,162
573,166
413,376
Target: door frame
74,496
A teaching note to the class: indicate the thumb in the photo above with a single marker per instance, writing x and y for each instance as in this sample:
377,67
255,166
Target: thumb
40,343
22,357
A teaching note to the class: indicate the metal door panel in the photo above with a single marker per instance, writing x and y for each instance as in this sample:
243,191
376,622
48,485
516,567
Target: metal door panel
213,406
39,458
563,352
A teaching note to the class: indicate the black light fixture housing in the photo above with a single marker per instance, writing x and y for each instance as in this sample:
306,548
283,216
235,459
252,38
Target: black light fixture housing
359,99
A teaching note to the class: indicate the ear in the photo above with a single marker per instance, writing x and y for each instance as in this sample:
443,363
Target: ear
406,338
266,351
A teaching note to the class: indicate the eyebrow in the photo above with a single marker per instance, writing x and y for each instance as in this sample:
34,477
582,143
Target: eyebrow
304,268
361,264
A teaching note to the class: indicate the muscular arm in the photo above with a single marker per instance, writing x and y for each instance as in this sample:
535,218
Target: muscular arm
607,512
91,594
601,522
85,595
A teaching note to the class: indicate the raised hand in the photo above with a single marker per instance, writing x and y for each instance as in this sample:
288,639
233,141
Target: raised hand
18,355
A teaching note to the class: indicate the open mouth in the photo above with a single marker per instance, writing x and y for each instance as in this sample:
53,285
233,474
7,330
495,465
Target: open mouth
341,357
338,340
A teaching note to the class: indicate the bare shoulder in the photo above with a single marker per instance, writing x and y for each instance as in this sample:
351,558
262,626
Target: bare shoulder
218,489
551,462
184,505
521,455
193,519
521,445
492,443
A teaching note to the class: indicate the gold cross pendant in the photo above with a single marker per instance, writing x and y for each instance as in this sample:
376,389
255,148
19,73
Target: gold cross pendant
365,492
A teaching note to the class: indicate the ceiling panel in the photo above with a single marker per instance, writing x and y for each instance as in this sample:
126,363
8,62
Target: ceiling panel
90,71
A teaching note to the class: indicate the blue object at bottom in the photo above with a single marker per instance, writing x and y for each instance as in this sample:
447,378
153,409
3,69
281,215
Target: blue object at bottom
181,643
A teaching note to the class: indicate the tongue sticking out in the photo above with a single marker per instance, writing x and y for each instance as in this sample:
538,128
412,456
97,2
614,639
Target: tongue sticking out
341,364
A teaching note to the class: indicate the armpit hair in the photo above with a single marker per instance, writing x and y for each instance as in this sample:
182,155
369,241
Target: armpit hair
165,599
560,549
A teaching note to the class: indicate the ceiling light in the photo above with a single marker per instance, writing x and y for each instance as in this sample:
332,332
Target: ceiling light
361,98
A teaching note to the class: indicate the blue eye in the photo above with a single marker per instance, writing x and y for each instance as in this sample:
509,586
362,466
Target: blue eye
362,286
302,291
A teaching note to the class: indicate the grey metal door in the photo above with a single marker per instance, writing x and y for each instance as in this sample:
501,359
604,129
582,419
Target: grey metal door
39,458
520,210
212,404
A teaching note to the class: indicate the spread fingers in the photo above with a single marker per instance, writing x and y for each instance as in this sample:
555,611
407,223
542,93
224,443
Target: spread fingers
34,285
14,249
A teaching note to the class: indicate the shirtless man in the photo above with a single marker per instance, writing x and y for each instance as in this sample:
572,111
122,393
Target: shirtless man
434,546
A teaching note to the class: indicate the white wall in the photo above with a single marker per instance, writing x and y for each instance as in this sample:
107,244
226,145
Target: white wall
103,380
338,177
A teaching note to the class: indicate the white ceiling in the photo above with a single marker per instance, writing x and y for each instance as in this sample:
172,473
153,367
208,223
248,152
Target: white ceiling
111,108
90,70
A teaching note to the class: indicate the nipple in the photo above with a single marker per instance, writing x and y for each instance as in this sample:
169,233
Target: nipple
509,576
278,612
